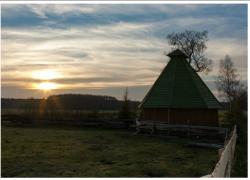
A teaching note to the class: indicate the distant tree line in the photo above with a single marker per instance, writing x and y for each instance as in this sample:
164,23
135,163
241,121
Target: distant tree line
67,102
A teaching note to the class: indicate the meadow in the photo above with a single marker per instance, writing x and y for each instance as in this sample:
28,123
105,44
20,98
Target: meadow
61,151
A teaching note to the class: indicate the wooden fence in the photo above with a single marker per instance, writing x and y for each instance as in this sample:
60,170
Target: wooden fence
204,133
224,165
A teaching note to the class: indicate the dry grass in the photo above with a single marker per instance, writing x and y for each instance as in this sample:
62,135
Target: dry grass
88,152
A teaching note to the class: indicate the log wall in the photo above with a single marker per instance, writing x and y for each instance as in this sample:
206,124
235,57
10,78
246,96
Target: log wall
203,117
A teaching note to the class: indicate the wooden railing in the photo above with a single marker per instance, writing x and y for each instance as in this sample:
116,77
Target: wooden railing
162,125
154,127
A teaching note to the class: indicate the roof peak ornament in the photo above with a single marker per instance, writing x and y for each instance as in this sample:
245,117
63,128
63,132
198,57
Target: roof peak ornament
177,52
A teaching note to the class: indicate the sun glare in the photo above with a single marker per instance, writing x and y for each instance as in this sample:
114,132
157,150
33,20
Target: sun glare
46,86
45,74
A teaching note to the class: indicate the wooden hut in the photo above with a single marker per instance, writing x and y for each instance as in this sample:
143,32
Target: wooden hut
179,96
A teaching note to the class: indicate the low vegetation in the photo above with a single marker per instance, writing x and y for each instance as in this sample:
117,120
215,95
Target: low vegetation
240,161
46,151
228,119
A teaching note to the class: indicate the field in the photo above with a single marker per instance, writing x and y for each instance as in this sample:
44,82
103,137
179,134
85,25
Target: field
48,151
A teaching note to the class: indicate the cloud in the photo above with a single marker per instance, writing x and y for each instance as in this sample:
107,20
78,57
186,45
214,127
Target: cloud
43,10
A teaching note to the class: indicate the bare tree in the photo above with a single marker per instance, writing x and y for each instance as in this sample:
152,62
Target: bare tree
228,82
192,43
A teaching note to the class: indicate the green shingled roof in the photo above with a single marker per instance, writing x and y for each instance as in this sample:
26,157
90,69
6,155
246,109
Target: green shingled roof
179,86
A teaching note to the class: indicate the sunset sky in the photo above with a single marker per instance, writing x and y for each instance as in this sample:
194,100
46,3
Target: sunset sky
102,49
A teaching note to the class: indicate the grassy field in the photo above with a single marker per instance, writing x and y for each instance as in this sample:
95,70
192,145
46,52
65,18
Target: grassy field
88,152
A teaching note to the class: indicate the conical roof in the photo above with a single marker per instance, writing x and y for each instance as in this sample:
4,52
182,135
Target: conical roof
179,86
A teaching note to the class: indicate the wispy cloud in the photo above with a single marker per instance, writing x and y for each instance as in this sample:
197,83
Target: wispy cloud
43,10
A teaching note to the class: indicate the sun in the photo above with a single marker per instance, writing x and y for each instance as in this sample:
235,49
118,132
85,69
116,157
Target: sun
46,86
45,76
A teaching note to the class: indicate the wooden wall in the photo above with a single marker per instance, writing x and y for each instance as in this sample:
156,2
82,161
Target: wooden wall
203,117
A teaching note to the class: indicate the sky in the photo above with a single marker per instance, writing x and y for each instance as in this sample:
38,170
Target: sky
104,48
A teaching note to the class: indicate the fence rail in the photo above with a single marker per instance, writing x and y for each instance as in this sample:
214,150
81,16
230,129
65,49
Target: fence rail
204,133
156,124
224,165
